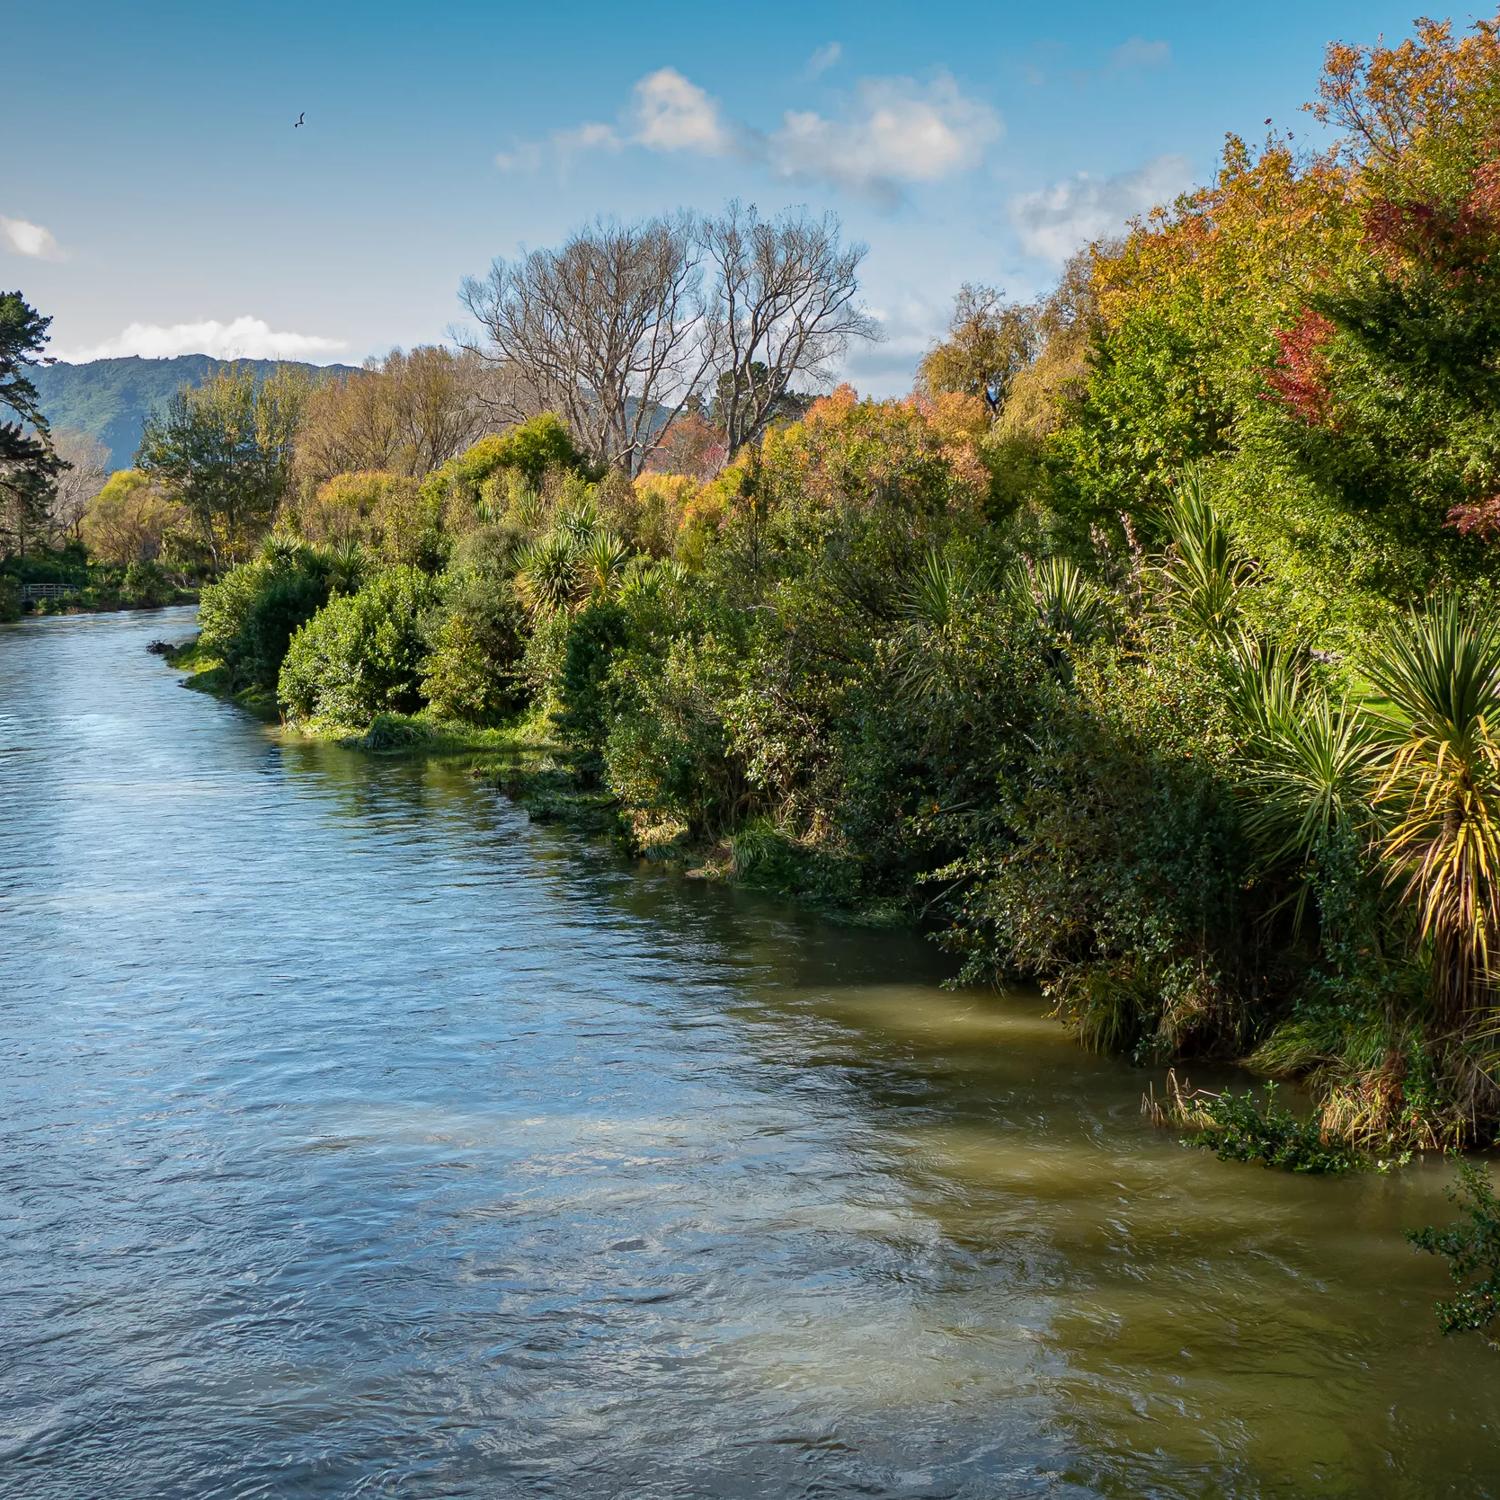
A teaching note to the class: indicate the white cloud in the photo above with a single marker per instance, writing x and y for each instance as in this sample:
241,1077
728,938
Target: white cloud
524,156
671,113
822,60
240,338
1055,221
1137,52
899,132
909,324
590,136
29,239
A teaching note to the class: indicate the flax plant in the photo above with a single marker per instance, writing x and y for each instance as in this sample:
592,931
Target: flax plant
1435,715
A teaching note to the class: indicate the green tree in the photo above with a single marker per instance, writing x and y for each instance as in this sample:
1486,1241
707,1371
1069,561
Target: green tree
224,450
28,462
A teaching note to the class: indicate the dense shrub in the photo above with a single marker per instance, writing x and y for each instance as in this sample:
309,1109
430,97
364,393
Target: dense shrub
1116,869
475,485
363,653
669,756
473,668
388,514
146,584
248,618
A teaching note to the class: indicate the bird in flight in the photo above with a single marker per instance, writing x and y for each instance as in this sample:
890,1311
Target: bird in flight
300,118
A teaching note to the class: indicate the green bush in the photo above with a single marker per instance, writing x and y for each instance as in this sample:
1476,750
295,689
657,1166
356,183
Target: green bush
146,585
248,618
1237,1127
1471,1246
669,755
589,701
473,670
363,653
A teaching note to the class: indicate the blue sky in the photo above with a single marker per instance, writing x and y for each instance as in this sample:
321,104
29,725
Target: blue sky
158,200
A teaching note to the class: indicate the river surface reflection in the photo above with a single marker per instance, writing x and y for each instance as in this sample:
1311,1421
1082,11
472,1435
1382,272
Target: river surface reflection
359,1138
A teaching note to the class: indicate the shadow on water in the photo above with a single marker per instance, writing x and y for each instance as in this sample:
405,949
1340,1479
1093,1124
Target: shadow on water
367,1139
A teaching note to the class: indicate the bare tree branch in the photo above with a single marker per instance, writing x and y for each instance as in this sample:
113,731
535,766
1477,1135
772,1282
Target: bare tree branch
781,307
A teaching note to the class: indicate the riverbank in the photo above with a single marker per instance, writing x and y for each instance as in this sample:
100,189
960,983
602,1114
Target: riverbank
534,767
91,604
67,582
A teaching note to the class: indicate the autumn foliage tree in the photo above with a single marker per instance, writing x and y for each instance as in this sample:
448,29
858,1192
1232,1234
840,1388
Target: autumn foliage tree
130,520
404,414
989,341
1323,327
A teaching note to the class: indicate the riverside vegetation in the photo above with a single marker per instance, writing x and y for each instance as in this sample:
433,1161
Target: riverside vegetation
1171,683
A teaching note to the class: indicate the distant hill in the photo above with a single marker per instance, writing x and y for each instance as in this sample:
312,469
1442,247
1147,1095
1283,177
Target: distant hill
110,398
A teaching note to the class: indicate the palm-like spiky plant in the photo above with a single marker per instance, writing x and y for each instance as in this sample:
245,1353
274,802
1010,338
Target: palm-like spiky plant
1205,573
1435,719
347,568
650,578
281,551
601,564
1305,778
546,574
579,521
1068,603
525,508
939,590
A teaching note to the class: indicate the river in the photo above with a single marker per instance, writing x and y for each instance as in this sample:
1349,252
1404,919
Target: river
358,1137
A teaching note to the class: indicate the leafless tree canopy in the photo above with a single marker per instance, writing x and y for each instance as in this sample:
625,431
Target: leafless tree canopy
625,326
406,414
88,467
781,307
608,330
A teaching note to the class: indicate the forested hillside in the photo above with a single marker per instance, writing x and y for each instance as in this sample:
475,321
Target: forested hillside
110,398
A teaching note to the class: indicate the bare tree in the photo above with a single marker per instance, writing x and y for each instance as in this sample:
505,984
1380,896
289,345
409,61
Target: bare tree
781,307
609,331
88,467
406,414
435,404
347,426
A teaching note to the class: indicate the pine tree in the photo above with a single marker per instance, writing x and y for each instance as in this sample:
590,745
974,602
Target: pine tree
28,462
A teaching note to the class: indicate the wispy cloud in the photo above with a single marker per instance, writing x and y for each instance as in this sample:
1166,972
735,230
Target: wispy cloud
1137,52
1055,221
892,133
240,338
26,238
897,133
909,325
822,60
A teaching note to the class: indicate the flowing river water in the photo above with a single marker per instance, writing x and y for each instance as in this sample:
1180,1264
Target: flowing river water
358,1137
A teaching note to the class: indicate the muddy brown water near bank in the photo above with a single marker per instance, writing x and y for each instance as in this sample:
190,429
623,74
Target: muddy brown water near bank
358,1137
